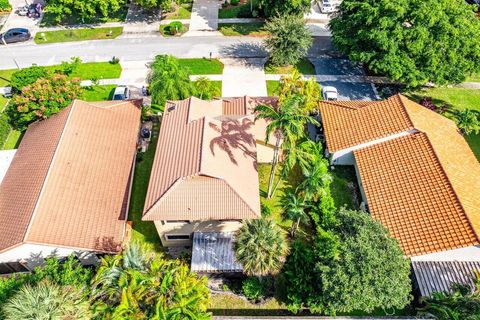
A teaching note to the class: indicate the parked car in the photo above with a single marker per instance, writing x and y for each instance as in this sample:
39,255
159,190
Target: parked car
328,6
330,93
15,35
121,93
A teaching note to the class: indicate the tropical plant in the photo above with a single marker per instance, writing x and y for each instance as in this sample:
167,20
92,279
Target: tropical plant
253,288
410,41
460,303
293,84
47,300
205,88
169,80
260,247
317,177
295,209
285,49
468,121
286,124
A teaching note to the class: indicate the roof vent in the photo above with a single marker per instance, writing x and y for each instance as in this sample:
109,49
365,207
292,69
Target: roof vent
172,108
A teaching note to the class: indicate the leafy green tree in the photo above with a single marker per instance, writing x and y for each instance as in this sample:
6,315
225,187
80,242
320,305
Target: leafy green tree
293,84
411,41
140,284
371,271
27,76
205,88
286,123
288,40
458,304
286,7
169,80
468,121
261,247
86,10
47,300
295,209
42,99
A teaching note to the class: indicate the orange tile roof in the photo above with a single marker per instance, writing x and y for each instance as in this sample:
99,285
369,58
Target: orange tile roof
350,123
70,189
409,192
453,198
205,162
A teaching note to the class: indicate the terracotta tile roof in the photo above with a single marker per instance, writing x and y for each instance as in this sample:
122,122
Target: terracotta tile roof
445,217
68,189
205,166
409,192
350,123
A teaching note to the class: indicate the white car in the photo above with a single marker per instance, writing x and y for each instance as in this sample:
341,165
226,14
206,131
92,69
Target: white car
121,93
330,93
327,6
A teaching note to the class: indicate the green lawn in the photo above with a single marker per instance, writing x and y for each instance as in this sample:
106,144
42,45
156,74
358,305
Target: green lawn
3,102
5,76
242,29
184,11
165,30
85,71
239,11
98,93
202,66
143,231
74,19
13,140
229,305
272,87
454,99
344,186
78,35
304,66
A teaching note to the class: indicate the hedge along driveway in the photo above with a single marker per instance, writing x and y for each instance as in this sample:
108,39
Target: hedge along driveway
85,71
78,35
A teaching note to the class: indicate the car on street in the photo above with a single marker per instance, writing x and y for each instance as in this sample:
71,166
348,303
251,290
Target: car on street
121,93
15,35
330,93
328,6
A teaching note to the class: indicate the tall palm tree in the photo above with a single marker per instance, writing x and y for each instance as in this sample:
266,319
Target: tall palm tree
294,208
203,84
47,301
286,123
261,247
316,178
169,80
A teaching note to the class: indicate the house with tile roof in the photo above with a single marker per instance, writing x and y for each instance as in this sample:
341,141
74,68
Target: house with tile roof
204,178
67,187
416,172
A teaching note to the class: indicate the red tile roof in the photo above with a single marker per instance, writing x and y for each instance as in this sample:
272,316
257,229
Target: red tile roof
67,184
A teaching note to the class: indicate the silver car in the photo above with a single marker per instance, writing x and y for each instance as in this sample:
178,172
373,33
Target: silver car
121,93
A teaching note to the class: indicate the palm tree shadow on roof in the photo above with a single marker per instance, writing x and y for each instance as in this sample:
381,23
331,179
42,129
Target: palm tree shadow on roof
234,135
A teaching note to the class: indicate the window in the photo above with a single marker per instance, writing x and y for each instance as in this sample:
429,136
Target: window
12,267
176,221
177,236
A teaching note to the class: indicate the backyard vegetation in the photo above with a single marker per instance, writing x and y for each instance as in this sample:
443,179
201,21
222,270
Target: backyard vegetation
78,35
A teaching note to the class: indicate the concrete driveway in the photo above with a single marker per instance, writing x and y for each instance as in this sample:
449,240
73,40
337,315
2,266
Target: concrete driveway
204,15
343,67
244,77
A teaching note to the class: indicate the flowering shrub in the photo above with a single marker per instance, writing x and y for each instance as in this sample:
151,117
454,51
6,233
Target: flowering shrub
42,99
427,102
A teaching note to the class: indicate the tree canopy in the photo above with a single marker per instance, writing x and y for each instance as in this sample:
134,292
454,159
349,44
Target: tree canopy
287,7
86,10
411,41
288,40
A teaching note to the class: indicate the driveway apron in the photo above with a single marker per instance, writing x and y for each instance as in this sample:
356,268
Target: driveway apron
244,77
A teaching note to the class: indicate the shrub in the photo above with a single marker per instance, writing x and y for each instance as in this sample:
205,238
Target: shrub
234,2
85,10
68,67
253,288
4,129
175,27
114,60
26,76
5,5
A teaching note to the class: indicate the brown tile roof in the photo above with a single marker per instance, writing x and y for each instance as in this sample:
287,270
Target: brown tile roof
69,179
409,192
205,162
434,205
350,123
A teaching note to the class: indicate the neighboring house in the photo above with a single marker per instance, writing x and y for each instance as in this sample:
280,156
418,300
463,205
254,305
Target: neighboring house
204,177
416,172
67,189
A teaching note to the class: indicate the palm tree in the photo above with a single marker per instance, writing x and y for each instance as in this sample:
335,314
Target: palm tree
295,209
316,178
293,84
286,123
261,247
203,86
47,301
169,80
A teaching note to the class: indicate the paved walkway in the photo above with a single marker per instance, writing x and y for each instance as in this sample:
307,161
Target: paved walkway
244,77
204,15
